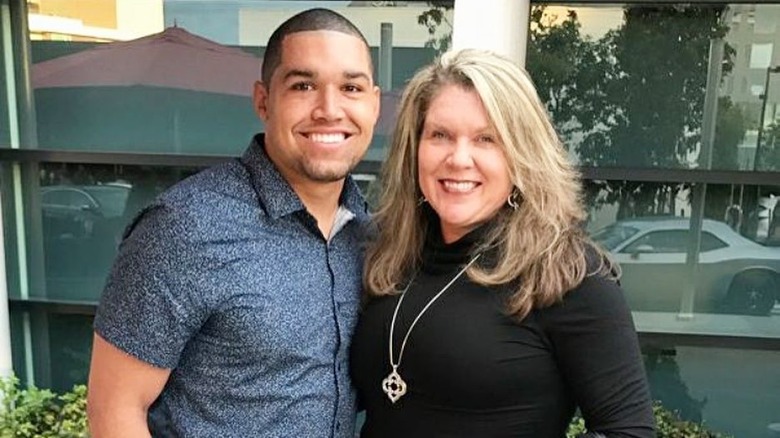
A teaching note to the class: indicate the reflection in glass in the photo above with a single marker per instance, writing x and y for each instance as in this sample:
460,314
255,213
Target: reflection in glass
626,86
5,126
176,83
173,89
84,210
738,268
611,236
733,391
735,275
70,338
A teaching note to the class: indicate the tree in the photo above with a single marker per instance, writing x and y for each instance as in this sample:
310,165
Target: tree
653,78
730,130
644,105
558,59
432,19
770,148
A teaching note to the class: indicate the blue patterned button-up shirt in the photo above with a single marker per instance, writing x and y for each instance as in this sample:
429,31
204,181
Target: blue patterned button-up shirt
227,280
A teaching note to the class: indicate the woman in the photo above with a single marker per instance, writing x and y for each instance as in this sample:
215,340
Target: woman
489,312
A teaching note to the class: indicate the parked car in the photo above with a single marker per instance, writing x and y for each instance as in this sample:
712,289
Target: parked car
734,274
74,211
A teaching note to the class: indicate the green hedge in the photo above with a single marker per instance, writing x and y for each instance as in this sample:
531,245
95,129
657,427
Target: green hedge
40,413
668,425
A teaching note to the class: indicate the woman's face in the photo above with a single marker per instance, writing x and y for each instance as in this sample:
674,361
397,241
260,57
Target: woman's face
461,165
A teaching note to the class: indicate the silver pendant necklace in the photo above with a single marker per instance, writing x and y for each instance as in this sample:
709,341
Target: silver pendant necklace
393,385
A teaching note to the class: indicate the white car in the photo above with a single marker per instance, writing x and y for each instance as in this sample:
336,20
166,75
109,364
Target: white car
735,274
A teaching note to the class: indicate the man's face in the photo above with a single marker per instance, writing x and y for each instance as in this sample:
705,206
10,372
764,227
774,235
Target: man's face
320,108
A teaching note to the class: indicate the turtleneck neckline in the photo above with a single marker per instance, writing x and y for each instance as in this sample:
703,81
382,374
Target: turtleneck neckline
439,257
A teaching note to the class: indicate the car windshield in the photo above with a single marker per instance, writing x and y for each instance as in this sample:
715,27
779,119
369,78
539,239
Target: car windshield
611,236
112,199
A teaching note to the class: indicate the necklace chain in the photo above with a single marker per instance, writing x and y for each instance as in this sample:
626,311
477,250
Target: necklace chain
393,385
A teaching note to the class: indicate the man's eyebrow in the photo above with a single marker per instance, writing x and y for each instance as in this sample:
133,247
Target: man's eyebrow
308,74
298,73
356,75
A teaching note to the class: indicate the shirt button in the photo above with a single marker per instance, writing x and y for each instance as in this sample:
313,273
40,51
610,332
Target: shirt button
338,367
338,426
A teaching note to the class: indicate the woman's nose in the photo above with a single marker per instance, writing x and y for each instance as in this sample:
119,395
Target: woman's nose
461,155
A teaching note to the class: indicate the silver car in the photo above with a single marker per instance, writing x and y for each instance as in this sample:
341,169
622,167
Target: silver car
735,274
74,211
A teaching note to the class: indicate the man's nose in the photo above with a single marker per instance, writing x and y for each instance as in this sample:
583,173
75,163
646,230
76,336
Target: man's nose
328,106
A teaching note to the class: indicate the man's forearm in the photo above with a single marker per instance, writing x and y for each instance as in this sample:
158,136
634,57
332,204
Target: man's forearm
118,423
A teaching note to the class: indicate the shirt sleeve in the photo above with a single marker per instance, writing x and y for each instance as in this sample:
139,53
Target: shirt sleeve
151,306
598,353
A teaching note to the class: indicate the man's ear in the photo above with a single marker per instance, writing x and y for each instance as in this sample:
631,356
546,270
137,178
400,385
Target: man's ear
260,100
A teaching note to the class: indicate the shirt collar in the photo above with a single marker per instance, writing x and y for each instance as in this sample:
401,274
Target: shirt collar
276,195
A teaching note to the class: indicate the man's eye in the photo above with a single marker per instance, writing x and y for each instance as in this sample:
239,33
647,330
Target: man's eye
352,88
302,86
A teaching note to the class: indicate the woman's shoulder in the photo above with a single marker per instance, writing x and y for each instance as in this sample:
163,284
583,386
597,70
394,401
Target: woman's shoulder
598,262
598,296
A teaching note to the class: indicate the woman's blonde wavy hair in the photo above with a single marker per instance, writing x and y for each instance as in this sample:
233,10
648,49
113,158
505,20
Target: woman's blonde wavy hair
541,243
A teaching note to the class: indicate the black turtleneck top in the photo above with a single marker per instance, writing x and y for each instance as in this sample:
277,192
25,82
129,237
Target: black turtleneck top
473,371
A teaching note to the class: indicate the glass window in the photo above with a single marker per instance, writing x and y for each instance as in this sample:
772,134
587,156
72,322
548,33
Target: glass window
610,237
5,120
177,76
670,241
709,242
666,87
84,210
626,85
736,258
733,391
760,55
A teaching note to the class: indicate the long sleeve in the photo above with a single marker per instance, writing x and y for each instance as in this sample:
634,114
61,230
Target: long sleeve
597,351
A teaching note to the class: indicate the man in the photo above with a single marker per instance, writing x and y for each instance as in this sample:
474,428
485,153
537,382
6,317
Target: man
231,304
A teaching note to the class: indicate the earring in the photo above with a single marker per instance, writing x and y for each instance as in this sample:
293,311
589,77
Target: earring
421,200
512,199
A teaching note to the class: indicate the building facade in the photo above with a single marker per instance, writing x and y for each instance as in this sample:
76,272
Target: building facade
670,110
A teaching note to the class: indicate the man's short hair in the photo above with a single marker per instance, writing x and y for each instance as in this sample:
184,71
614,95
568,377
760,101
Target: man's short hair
311,19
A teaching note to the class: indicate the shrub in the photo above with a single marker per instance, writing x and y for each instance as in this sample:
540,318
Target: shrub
40,413
668,425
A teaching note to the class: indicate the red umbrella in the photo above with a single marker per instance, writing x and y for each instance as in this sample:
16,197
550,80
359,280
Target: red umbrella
158,72
173,58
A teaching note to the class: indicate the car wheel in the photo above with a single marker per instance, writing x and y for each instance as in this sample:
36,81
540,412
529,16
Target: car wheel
752,293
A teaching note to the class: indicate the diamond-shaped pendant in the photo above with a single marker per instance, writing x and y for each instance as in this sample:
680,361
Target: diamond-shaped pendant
394,386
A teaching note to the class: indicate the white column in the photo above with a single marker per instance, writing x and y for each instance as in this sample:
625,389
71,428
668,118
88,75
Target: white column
6,365
497,25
